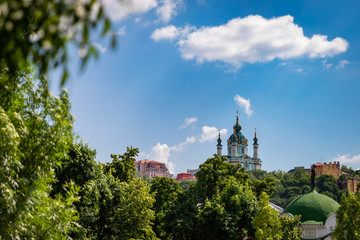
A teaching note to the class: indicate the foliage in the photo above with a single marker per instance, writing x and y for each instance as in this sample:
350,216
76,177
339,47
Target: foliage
348,221
269,225
185,184
166,191
228,215
181,222
40,30
123,166
348,170
36,131
326,184
211,179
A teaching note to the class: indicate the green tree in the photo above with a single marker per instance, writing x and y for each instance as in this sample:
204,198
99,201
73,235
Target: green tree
326,184
348,221
36,132
269,225
41,30
123,166
181,222
185,184
165,191
212,176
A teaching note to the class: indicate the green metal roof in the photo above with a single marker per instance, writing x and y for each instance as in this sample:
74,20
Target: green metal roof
314,208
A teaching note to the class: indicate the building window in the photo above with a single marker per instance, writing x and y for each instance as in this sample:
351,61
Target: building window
310,233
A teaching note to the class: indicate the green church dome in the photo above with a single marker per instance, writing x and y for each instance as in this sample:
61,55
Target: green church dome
314,208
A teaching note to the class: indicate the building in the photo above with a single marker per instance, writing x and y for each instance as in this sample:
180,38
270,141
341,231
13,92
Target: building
318,214
149,168
237,147
350,185
184,176
327,168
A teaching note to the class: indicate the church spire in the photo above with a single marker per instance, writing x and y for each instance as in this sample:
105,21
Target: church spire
237,126
255,139
219,140
219,146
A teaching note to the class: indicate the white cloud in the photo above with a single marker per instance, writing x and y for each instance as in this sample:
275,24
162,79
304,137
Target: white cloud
342,64
209,134
161,153
120,9
189,121
100,48
253,39
167,9
327,65
170,32
347,158
243,103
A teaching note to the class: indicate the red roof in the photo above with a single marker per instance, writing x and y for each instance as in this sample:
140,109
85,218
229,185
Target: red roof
157,164
184,176
318,164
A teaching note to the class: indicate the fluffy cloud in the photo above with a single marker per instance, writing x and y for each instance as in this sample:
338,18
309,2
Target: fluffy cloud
347,158
189,121
252,39
209,134
167,9
118,10
161,153
342,64
170,32
244,103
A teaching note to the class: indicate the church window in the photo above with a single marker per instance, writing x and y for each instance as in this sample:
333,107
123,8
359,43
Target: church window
242,150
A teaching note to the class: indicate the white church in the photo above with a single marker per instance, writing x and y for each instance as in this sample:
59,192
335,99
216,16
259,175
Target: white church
237,146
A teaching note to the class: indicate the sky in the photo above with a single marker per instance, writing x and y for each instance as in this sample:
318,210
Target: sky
182,69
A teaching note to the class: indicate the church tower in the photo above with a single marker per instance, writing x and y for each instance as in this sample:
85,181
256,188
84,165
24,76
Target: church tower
237,149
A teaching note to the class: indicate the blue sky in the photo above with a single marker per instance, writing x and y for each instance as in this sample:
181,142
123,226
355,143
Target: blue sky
293,66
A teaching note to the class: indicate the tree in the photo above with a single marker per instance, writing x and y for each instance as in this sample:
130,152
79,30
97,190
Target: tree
181,222
123,166
185,184
165,191
41,30
348,221
326,185
36,131
269,225
212,176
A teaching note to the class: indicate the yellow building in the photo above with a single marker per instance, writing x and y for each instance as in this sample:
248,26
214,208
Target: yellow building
350,185
327,168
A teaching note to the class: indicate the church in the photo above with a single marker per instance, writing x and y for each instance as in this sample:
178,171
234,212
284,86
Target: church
237,147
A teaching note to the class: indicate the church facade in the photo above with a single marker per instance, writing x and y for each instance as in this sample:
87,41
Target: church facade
237,148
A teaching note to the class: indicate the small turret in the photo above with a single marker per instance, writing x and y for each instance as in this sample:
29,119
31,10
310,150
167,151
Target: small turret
256,147
219,146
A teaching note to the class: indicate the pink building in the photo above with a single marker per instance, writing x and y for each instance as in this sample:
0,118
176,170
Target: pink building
151,169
